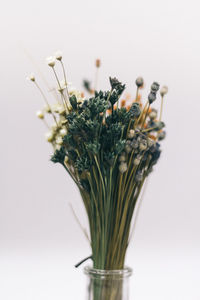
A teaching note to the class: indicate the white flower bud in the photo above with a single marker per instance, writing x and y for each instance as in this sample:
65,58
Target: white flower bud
59,140
31,77
63,131
58,55
40,114
131,134
49,136
51,61
164,90
123,167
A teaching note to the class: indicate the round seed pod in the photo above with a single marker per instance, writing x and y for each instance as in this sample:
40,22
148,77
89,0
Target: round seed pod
134,144
123,167
139,176
155,87
152,97
153,114
137,160
128,148
139,82
161,135
164,90
122,158
131,134
143,145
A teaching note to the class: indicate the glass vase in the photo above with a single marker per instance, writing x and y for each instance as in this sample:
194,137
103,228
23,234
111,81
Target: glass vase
107,284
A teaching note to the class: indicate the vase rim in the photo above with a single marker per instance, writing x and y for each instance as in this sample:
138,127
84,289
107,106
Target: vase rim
126,272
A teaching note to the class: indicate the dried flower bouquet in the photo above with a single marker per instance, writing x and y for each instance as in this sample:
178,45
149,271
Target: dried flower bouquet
109,149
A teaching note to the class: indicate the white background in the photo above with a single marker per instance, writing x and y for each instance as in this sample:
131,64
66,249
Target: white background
39,239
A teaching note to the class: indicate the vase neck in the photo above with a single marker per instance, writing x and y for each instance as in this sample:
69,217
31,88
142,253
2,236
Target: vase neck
108,284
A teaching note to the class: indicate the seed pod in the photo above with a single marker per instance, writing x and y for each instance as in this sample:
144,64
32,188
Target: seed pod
131,134
137,161
155,87
134,144
143,145
152,97
164,90
123,167
139,82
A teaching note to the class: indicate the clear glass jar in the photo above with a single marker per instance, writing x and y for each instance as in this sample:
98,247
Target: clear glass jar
107,284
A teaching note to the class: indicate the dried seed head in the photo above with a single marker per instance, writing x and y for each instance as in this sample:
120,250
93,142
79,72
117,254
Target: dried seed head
153,114
143,145
123,167
161,135
139,176
58,55
164,90
155,87
98,63
131,134
150,142
137,161
134,144
139,82
51,60
40,114
152,97
128,148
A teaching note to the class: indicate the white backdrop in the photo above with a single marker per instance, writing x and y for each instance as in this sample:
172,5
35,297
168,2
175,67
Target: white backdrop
39,239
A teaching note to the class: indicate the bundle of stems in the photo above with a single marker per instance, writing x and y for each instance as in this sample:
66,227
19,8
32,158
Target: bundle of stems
109,149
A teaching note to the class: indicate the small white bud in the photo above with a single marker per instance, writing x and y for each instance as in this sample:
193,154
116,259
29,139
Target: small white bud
131,134
49,136
164,90
123,167
31,77
58,55
63,131
59,140
51,61
40,114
